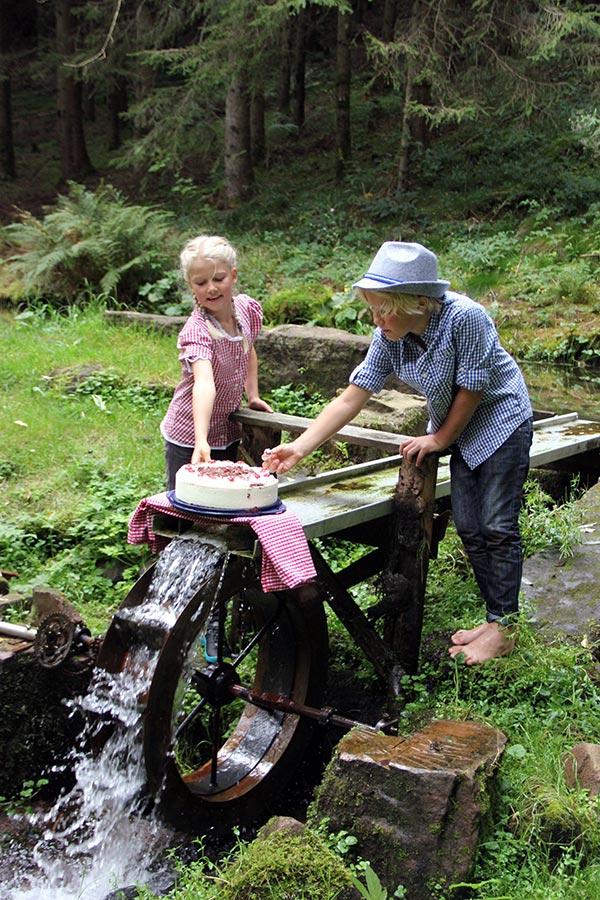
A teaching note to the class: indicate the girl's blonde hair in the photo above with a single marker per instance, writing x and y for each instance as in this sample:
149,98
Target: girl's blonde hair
218,250
205,246
398,302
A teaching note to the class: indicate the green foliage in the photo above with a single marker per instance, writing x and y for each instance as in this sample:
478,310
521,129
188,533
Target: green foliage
109,387
297,400
82,551
279,866
373,888
21,804
89,242
546,525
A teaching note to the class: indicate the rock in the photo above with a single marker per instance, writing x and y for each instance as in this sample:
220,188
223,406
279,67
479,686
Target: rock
47,601
320,358
280,824
11,599
561,595
416,804
37,728
582,768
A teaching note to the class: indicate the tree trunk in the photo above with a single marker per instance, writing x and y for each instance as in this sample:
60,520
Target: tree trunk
75,162
145,77
285,69
238,158
299,66
257,122
116,103
343,144
405,128
7,149
389,21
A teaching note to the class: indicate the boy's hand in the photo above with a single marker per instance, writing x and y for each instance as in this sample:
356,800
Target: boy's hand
417,448
281,459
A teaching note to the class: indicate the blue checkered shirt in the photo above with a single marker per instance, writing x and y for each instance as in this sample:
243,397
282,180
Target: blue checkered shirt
461,350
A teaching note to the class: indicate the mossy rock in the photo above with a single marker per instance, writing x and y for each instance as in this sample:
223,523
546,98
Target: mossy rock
295,305
287,866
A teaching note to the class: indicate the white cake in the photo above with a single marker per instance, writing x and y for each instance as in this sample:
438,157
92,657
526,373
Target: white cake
224,485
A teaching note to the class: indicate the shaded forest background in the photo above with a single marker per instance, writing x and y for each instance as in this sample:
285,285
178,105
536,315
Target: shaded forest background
169,98
307,132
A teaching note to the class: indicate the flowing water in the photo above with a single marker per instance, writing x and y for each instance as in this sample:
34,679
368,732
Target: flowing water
99,836
561,389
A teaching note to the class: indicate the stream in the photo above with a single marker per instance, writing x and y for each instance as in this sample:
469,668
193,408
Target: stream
562,389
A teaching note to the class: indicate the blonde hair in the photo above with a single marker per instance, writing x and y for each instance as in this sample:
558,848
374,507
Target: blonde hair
398,302
218,250
205,246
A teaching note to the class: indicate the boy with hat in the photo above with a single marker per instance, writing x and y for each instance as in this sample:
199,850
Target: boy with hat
445,346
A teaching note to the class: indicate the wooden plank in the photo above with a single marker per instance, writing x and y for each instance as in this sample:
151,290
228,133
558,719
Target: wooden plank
353,434
332,502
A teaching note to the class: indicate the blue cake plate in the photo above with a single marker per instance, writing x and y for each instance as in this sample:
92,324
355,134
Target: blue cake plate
272,510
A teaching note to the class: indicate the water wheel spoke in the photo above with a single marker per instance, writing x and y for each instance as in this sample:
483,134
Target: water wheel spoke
257,638
189,719
215,727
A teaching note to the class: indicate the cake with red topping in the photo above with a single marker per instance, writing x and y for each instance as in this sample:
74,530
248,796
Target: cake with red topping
225,485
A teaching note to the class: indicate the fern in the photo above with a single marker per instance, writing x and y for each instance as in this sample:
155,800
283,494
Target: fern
90,241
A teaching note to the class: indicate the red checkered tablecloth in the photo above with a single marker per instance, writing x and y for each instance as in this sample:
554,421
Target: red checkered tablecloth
286,559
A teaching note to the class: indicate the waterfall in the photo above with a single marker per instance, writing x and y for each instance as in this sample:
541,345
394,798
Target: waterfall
99,836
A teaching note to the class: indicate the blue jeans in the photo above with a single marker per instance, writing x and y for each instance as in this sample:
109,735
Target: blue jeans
485,508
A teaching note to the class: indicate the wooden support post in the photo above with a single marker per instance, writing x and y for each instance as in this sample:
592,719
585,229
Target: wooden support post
355,622
256,439
405,578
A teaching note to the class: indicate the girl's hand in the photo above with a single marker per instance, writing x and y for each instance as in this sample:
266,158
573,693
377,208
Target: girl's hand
281,459
201,452
260,405
417,448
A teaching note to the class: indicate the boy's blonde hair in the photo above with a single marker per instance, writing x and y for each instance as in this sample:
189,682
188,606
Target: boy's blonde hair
206,246
398,302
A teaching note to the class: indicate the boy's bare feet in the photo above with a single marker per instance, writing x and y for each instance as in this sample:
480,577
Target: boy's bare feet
492,641
466,635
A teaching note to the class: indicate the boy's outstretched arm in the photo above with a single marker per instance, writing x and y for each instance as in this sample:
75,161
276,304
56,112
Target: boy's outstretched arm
336,414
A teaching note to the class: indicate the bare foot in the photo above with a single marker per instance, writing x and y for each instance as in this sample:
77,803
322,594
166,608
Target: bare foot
494,641
466,635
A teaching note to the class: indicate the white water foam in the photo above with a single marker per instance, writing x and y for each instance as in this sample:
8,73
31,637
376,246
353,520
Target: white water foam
97,837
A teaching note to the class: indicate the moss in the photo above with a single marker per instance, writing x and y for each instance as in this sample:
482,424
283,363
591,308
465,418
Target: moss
286,867
295,305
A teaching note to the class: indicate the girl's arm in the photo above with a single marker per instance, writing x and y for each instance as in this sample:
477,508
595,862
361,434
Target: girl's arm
459,415
203,401
251,386
335,415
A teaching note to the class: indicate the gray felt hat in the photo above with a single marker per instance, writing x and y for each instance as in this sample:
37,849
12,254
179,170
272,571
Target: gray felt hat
409,268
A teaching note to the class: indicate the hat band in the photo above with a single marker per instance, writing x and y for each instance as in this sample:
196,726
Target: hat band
382,278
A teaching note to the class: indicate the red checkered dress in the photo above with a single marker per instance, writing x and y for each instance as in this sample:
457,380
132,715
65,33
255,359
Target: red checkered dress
230,366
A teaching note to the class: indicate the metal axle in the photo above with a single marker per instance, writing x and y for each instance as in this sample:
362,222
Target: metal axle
17,631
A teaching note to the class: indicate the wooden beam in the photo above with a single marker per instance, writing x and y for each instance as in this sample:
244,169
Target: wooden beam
405,577
351,434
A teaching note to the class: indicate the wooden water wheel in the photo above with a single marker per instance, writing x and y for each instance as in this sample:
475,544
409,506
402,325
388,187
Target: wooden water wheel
220,738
